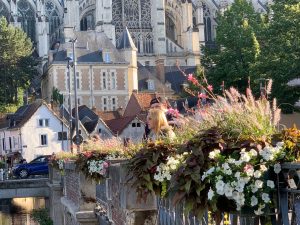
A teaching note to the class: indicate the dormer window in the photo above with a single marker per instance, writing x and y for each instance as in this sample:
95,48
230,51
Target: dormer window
150,85
107,58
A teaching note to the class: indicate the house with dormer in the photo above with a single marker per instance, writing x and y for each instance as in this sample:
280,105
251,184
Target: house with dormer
31,131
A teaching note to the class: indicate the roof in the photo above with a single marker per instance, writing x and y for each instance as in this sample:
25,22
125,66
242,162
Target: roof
90,46
23,114
137,103
88,117
176,78
118,125
126,40
146,73
109,115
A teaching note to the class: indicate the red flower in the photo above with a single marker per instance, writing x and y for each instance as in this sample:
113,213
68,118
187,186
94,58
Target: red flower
190,77
87,154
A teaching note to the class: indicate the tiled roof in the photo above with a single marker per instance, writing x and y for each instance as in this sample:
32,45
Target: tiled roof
109,115
118,125
88,118
137,103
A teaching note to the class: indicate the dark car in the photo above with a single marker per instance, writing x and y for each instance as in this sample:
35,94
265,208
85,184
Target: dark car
38,166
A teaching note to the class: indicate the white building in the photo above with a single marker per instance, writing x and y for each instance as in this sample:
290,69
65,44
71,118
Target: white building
33,130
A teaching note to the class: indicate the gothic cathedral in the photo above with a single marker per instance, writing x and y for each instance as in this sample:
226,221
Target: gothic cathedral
174,29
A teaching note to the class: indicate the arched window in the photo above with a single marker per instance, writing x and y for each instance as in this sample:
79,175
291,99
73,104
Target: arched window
4,11
26,16
55,21
207,24
170,28
88,21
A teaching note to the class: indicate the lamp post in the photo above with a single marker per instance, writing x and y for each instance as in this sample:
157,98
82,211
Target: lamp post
70,101
78,138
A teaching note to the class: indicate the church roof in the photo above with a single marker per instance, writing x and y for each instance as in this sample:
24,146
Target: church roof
126,40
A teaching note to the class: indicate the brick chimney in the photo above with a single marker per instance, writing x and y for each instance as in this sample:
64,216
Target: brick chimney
160,69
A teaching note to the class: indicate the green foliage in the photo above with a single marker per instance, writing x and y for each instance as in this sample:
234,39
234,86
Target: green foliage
281,51
238,47
41,216
57,97
17,66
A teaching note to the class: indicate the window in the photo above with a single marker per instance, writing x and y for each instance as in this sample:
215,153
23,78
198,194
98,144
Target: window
113,101
113,80
62,136
10,145
107,58
3,144
104,101
105,108
133,124
104,80
44,140
78,101
138,124
79,131
100,130
44,122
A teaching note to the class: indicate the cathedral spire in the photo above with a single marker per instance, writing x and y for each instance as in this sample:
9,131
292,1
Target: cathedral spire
126,40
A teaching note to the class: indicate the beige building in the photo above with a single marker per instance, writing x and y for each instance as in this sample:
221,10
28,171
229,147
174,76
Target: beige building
105,75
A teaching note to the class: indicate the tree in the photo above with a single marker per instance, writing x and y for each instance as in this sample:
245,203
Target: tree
280,58
238,47
17,65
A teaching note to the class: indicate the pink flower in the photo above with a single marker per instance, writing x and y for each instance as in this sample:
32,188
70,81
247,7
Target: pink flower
105,165
248,168
210,88
202,95
190,77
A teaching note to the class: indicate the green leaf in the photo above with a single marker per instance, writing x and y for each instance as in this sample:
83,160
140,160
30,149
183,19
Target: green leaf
187,186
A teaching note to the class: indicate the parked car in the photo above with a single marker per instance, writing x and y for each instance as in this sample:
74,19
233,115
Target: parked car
38,166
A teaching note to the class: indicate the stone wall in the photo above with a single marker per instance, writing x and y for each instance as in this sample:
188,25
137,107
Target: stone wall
118,200
79,199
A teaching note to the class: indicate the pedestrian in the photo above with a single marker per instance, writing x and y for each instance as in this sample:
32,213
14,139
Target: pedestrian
158,125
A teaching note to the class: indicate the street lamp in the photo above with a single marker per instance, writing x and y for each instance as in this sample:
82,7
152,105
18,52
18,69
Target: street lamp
69,60
78,138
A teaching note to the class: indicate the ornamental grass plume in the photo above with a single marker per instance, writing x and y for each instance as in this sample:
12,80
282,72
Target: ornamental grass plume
239,116
242,117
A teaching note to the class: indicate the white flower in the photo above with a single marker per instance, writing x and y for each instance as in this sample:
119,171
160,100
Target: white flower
231,161
254,189
240,185
257,174
258,184
270,184
263,168
253,152
277,168
228,172
238,162
254,201
210,171
204,176
258,212
210,194
265,197
280,144
239,198
225,166
214,154
237,174
245,157
228,190
220,187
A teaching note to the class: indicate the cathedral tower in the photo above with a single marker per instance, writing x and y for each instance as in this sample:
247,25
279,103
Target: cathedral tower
104,19
71,18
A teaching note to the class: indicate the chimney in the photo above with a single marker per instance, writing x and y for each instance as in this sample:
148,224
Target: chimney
160,70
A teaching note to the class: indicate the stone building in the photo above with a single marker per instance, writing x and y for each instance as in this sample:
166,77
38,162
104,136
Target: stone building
105,75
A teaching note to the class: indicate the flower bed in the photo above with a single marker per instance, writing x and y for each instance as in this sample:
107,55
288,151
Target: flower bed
228,163
94,159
